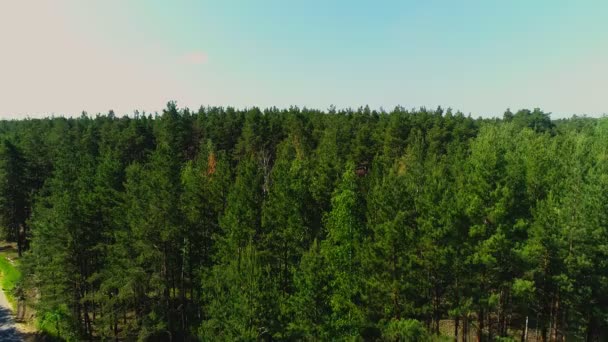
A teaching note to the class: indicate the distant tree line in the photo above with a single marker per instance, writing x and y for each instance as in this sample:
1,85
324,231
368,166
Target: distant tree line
297,224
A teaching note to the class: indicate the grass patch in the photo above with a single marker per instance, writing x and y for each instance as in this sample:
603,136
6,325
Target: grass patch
9,277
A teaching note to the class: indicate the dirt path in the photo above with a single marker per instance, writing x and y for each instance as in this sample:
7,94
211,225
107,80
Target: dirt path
8,329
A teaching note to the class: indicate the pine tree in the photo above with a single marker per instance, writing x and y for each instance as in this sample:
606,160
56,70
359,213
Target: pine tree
14,194
342,250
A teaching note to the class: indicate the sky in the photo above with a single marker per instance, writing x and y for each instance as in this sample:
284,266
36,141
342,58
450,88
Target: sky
481,57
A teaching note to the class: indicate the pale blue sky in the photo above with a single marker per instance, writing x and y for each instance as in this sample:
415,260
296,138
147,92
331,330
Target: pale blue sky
65,56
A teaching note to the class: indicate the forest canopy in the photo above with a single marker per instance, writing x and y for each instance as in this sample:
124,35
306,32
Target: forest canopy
297,224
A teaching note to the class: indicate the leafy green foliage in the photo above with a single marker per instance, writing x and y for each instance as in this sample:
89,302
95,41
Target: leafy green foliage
297,224
406,330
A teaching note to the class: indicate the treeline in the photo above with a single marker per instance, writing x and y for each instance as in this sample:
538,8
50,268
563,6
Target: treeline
298,224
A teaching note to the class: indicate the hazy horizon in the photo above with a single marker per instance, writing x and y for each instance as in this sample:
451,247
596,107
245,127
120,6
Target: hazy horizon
65,57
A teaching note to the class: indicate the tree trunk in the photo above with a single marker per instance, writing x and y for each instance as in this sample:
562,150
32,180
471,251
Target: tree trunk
490,326
555,319
396,311
543,334
115,328
524,335
465,328
166,293
20,234
480,327
590,328
87,322
436,315
183,286
456,326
